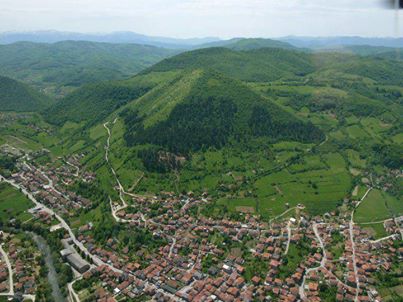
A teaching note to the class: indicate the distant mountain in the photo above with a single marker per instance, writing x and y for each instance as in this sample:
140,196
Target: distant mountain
364,50
330,42
248,44
58,68
115,37
16,96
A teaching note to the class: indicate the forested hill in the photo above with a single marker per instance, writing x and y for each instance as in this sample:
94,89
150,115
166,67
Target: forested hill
60,67
93,102
97,101
16,96
270,64
216,110
265,64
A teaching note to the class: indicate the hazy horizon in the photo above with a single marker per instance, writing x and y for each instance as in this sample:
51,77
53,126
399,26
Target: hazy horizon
189,37
198,19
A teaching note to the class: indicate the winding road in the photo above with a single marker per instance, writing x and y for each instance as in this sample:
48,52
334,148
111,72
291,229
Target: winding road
309,270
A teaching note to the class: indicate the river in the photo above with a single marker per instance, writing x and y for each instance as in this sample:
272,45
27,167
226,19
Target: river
52,275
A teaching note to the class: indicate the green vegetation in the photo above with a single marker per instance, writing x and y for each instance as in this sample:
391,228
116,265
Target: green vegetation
7,164
261,130
378,206
337,247
60,67
16,96
96,101
377,229
13,204
389,282
217,110
296,253
327,293
258,65
254,266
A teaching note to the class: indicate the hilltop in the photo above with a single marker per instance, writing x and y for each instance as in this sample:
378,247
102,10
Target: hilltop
248,44
215,110
265,64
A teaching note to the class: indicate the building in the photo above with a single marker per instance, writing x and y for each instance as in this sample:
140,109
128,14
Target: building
75,260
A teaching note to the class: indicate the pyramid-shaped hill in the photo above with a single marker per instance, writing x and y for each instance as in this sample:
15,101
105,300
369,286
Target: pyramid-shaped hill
261,65
214,111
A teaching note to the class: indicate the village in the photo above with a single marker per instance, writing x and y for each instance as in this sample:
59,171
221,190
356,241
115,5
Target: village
21,259
292,257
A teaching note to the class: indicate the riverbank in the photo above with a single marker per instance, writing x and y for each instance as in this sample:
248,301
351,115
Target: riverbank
52,274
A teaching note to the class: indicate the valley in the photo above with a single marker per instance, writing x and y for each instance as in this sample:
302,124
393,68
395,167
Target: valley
235,174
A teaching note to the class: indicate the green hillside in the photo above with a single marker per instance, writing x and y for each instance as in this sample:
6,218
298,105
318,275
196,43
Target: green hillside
97,101
16,96
60,67
216,110
385,71
366,50
258,65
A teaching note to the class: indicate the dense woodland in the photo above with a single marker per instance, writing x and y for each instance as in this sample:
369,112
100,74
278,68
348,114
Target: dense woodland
218,110
96,102
57,68
17,96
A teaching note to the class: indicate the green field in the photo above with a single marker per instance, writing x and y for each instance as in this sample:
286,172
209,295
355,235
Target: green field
320,187
378,206
13,204
296,253
377,229
239,204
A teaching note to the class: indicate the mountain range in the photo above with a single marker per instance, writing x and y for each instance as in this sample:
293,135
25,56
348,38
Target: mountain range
123,37
52,36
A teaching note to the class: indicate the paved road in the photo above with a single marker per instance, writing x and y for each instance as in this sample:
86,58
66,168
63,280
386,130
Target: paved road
351,231
308,271
172,247
51,184
358,204
74,166
10,273
282,214
289,237
96,260
72,293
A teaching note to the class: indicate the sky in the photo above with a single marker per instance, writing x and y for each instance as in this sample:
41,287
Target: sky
203,18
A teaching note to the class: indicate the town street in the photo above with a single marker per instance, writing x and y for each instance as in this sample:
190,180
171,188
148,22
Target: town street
10,272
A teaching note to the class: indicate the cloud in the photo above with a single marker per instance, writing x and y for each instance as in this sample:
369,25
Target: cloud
186,18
